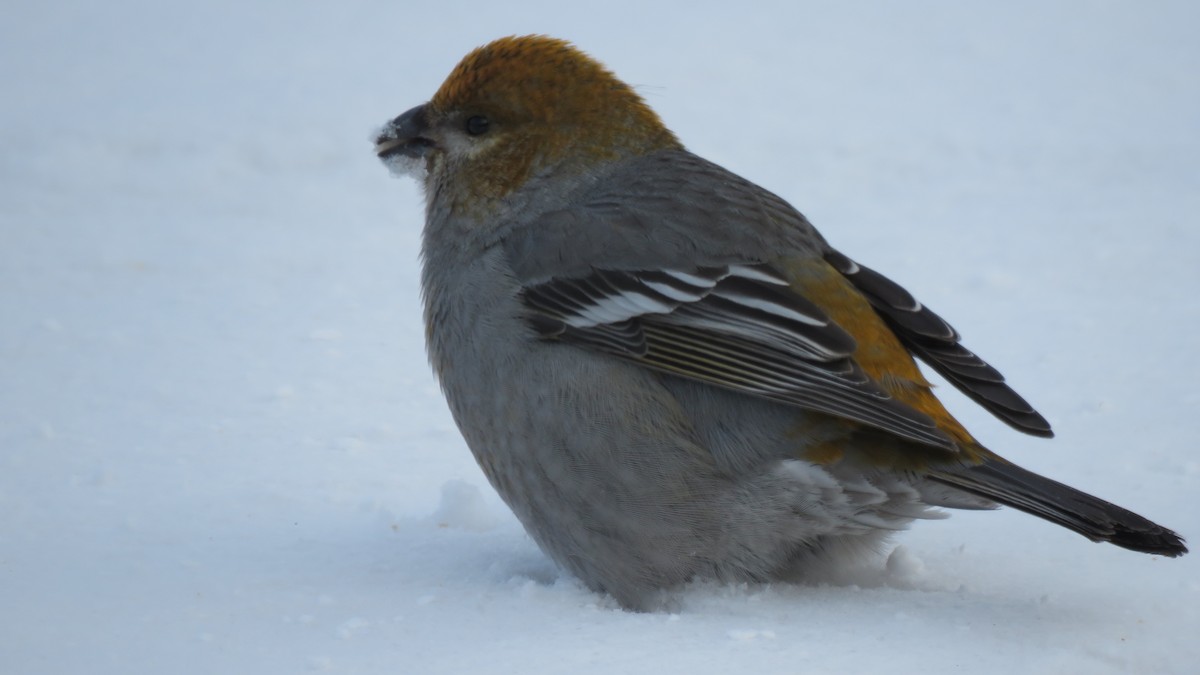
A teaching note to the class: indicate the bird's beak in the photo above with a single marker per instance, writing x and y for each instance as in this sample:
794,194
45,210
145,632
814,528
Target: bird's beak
405,136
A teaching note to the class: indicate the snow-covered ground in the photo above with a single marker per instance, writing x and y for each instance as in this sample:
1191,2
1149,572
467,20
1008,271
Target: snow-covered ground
222,451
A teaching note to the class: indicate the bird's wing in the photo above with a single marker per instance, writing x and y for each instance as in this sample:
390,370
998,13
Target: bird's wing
740,326
936,343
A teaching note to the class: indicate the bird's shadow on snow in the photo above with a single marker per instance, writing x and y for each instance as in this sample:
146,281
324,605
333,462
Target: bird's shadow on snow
481,549
500,557
468,538
505,566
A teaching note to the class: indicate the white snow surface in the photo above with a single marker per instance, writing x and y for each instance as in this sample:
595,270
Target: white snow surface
222,449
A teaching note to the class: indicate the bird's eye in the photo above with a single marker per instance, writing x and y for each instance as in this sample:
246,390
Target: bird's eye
477,124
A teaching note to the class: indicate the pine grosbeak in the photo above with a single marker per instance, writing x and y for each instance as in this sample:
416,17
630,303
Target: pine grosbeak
664,369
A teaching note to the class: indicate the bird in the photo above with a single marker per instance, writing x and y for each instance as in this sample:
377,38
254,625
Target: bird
664,370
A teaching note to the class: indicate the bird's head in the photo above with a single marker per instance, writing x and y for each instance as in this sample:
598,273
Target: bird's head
516,108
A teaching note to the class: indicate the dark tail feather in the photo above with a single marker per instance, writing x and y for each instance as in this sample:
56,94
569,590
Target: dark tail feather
1094,518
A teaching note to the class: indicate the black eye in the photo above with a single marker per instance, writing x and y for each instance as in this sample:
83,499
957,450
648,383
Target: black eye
477,124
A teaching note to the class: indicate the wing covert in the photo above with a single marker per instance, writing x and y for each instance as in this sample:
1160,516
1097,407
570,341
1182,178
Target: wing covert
738,326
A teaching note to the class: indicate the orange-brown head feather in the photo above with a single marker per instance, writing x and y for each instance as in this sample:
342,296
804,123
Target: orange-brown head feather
549,105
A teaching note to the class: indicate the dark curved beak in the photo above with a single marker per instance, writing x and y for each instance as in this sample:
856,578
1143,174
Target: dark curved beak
405,135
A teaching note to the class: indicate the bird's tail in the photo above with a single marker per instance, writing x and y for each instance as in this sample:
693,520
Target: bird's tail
1094,518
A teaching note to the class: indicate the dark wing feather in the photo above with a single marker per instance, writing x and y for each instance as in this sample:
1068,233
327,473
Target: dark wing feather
736,326
1090,516
933,340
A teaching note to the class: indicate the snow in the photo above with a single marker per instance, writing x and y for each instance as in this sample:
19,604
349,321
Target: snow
221,448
